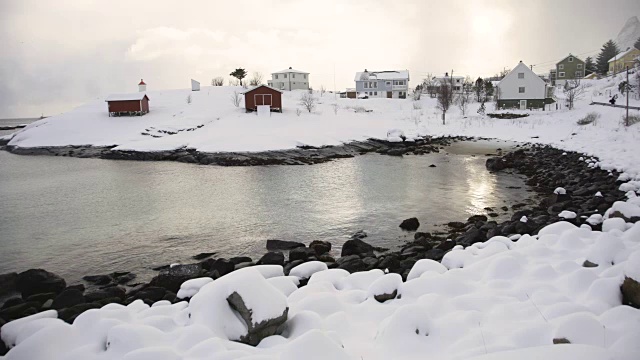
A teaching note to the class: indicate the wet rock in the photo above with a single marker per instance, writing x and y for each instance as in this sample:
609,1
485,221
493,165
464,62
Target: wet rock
446,245
456,225
495,164
475,218
390,262
472,236
172,278
361,234
68,298
203,255
37,281
320,247
70,314
411,224
240,259
287,268
41,298
8,283
124,279
301,253
356,247
12,302
220,266
434,254
112,291
98,279
283,245
272,258
351,263
243,265
150,293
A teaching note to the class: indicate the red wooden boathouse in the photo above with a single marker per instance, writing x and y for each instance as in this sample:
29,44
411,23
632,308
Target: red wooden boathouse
136,104
263,95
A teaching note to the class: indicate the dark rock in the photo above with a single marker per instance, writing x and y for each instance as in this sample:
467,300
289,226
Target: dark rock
456,225
283,245
326,258
222,266
41,298
256,331
243,265
287,268
356,247
495,164
589,264
203,255
411,224
112,291
351,263
37,281
172,278
8,283
68,298
300,253
557,341
240,259
98,279
384,297
272,258
78,287
630,292
471,237
370,262
421,235
70,314
446,245
475,218
361,234
12,302
20,310
390,262
432,165
125,278
434,254
152,293
320,247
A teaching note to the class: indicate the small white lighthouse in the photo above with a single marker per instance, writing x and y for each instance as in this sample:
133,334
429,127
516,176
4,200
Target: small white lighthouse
142,87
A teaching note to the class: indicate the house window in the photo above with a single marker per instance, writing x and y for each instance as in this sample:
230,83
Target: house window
578,74
520,75
285,76
570,59
366,85
561,66
293,76
561,74
521,90
276,76
579,66
388,82
305,76
375,93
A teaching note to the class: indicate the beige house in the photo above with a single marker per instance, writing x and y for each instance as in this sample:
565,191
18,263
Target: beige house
289,79
620,62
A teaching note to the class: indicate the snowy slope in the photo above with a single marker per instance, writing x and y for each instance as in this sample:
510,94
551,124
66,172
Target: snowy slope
629,34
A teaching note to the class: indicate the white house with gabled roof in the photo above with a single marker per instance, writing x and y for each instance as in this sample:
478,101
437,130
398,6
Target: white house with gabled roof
289,79
522,89
391,84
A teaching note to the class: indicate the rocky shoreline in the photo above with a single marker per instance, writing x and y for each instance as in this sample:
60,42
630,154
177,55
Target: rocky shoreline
568,181
304,155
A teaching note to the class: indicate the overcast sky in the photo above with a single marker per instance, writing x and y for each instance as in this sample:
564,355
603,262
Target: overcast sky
59,54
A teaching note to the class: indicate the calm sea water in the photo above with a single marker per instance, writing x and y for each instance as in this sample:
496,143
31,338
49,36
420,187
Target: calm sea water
86,216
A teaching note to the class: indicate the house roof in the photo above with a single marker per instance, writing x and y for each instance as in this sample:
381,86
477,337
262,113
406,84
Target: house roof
382,75
568,56
142,82
127,97
290,70
521,67
259,86
622,54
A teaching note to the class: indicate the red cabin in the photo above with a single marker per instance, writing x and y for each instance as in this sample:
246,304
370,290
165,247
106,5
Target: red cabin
263,95
136,104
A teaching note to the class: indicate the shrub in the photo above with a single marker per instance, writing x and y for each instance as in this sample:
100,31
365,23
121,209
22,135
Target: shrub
631,120
591,117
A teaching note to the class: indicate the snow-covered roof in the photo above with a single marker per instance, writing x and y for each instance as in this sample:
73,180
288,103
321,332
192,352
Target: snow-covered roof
267,86
290,70
622,54
382,75
126,97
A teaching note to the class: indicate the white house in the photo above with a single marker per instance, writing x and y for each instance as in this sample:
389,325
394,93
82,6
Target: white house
457,81
289,79
522,89
392,84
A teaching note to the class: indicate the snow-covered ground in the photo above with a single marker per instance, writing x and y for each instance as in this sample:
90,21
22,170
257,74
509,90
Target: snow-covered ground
501,299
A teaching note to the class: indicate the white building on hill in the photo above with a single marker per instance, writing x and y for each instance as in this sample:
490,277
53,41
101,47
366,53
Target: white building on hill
289,79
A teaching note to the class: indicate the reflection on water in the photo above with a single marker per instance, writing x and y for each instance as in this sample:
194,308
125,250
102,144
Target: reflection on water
81,216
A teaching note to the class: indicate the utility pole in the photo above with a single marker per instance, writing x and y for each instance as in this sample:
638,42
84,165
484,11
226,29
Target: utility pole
626,120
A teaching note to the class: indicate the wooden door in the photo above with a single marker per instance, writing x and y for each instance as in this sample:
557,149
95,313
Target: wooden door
389,94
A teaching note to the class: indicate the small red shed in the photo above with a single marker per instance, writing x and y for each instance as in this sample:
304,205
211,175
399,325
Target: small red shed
263,95
136,104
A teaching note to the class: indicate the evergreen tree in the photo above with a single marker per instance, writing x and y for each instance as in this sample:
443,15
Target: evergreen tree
637,44
239,74
608,51
589,66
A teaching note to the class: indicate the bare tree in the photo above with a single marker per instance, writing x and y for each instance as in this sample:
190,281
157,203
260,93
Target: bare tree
572,92
217,81
256,79
427,85
322,90
445,97
235,98
463,100
308,101
234,82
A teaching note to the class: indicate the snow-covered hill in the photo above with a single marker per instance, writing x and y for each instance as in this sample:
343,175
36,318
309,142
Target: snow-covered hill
629,34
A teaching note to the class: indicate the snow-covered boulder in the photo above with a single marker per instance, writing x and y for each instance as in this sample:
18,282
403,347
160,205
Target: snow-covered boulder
191,287
631,285
241,306
396,135
628,211
306,270
425,265
385,288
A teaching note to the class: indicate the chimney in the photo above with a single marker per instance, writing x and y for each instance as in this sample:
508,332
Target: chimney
289,67
142,87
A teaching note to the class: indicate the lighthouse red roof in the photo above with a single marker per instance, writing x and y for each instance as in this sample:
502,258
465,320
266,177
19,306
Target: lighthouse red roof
142,82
